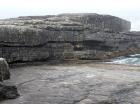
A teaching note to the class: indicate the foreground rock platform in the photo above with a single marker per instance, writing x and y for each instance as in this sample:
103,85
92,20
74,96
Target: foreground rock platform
80,36
94,83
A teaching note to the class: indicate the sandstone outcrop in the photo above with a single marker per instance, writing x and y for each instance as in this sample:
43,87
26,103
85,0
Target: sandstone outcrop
66,36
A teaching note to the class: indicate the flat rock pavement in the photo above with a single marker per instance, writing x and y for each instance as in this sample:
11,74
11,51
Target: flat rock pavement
76,84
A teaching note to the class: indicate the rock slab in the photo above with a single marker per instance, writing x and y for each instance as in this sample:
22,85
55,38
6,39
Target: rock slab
77,84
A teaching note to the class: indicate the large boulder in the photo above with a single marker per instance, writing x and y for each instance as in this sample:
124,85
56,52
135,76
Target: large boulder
66,36
4,70
6,91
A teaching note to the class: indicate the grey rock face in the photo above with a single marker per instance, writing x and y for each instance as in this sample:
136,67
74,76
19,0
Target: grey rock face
6,91
100,22
4,70
66,36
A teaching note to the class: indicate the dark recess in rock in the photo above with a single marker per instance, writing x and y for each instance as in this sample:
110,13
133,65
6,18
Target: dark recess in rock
8,92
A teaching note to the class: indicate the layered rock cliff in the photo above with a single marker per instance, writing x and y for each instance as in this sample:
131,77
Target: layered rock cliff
66,36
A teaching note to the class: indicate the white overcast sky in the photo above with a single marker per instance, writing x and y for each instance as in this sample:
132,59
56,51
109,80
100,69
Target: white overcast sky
127,9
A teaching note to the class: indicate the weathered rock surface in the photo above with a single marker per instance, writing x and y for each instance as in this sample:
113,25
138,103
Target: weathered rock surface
77,84
66,36
4,70
6,91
